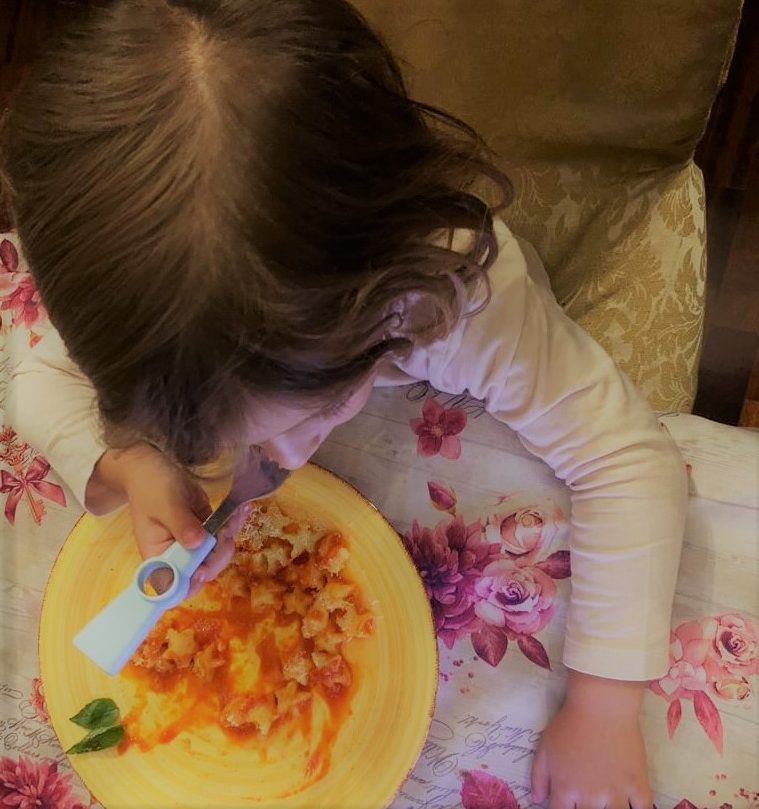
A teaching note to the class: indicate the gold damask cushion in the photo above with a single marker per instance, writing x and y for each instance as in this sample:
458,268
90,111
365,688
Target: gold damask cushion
567,79
594,109
627,261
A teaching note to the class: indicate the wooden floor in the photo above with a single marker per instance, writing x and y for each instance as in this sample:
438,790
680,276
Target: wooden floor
728,154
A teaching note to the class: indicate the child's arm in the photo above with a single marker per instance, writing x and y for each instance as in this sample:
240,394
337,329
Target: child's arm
545,377
594,743
51,404
541,374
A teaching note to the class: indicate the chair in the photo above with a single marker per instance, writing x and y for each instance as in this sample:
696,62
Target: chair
595,110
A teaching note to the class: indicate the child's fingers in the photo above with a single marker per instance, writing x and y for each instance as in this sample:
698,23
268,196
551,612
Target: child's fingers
540,777
232,526
643,800
217,560
152,538
195,585
222,553
183,524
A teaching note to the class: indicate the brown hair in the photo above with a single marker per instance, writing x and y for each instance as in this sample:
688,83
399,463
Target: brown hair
224,198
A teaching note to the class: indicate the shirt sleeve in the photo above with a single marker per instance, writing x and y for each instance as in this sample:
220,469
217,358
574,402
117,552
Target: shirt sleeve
540,373
52,406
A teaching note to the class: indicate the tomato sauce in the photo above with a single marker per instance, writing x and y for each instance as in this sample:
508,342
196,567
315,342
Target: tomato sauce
240,663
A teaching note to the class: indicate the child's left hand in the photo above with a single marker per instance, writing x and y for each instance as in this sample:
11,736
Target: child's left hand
592,754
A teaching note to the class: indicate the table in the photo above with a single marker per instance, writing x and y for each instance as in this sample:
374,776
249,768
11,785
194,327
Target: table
463,492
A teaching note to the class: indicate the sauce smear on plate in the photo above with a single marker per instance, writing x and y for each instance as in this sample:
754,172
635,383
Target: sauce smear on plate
260,654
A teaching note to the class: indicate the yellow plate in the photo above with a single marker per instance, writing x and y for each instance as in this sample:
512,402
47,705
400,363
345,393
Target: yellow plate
377,744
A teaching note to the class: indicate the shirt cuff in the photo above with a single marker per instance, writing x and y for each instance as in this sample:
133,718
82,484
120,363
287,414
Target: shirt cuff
605,659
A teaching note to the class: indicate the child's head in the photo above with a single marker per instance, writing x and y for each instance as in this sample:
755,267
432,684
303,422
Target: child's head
225,202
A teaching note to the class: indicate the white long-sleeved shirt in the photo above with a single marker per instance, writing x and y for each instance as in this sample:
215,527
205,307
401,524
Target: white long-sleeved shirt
542,375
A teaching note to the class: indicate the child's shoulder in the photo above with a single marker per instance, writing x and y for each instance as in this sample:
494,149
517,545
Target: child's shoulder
517,260
518,285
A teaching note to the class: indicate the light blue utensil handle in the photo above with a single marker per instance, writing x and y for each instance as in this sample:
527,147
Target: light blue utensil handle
114,634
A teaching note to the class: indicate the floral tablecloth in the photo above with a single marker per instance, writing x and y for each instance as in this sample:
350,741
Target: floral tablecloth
487,526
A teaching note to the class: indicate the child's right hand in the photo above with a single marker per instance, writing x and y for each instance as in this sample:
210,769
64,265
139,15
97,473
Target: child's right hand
166,504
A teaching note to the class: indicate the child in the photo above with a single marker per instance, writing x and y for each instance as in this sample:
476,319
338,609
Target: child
240,224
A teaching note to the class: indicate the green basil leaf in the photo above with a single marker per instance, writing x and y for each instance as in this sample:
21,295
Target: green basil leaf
100,713
98,740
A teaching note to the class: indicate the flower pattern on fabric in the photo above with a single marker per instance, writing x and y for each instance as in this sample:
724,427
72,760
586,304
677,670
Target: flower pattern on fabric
492,579
25,480
481,790
442,497
450,558
527,527
437,430
18,293
29,784
709,658
37,700
515,597
8,264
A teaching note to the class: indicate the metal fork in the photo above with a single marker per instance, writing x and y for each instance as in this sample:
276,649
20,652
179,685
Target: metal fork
255,476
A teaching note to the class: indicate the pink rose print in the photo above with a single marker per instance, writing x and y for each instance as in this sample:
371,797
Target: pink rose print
437,430
687,678
27,480
688,652
516,598
735,644
710,657
25,303
28,784
17,291
521,532
449,559
525,527
733,688
481,790
493,583
37,698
